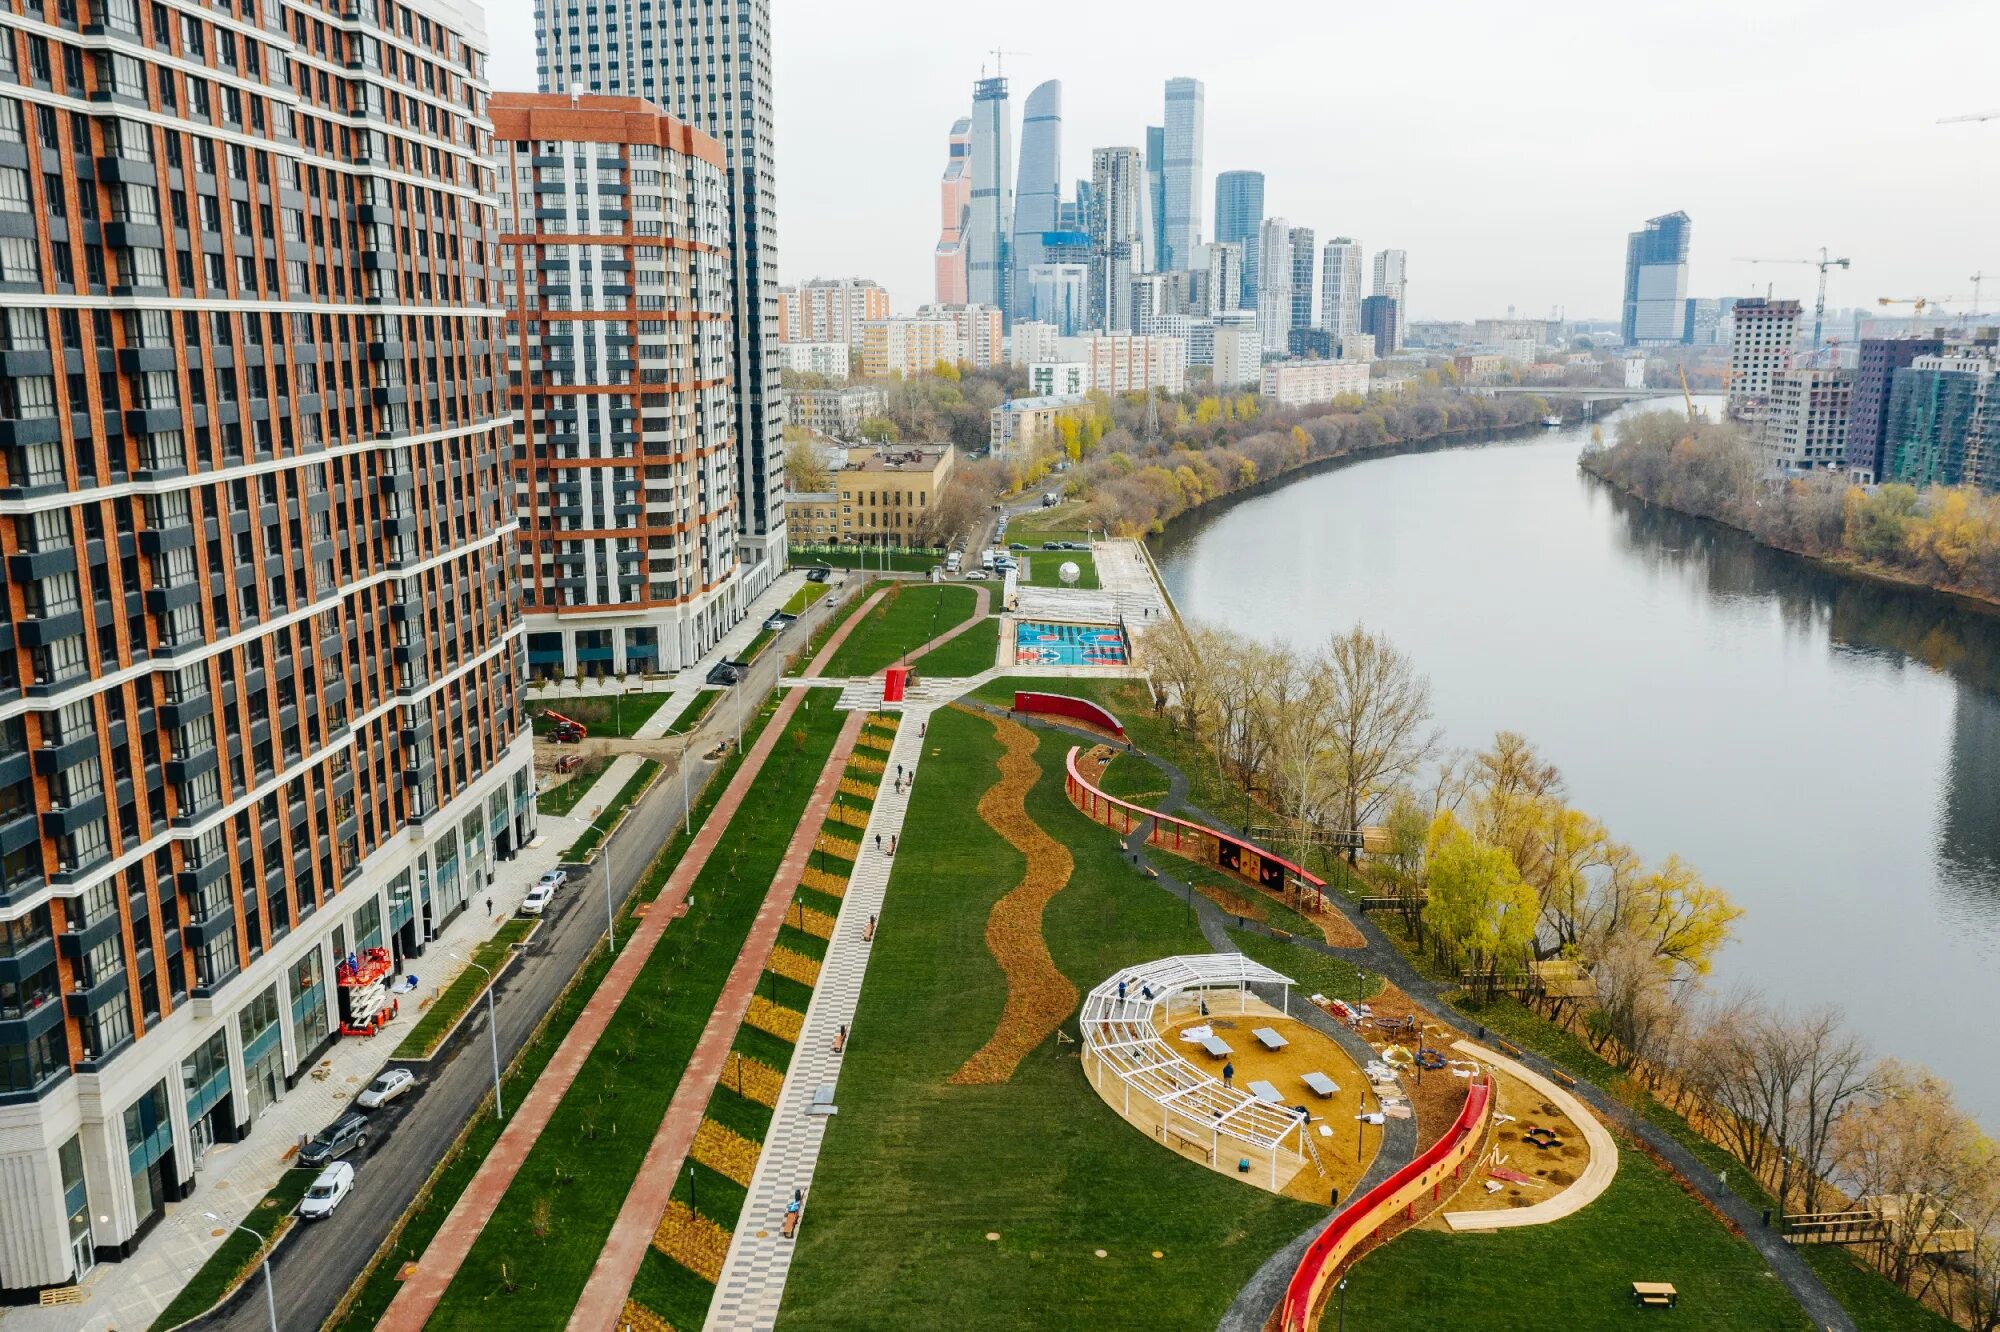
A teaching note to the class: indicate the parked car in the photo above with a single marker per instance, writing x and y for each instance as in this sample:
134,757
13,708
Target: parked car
537,901
723,673
327,1192
388,1085
1052,545
336,1140
819,574
1015,545
976,575
553,880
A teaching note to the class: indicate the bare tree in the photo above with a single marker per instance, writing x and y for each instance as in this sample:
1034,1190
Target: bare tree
1380,712
1910,1150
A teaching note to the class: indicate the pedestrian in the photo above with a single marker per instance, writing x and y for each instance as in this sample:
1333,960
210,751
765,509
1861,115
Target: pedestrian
1204,1007
899,772
892,844
1228,1074
1121,988
489,904
878,841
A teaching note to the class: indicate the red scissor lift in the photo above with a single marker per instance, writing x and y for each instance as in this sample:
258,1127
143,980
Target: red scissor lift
365,1003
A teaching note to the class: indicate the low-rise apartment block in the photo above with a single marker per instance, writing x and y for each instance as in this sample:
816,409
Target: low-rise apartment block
1309,383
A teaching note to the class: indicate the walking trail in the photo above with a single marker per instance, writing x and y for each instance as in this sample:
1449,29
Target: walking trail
425,1287
979,612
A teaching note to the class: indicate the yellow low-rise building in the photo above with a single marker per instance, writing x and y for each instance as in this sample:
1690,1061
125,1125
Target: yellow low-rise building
883,497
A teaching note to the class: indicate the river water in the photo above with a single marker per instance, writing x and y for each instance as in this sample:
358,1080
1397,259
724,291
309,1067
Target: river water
1825,749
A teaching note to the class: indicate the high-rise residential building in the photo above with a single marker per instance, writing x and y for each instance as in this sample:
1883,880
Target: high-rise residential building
1058,295
1274,295
1117,197
1157,294
1303,255
1341,287
624,459
1032,340
1944,420
1125,363
1765,333
1868,421
906,346
954,213
992,217
1380,320
1057,378
706,63
1216,284
1656,279
1181,182
980,342
1038,196
1155,231
1239,217
1392,280
1356,347
830,309
1804,428
259,691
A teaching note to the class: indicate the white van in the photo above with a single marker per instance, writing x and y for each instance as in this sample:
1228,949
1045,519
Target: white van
953,561
986,559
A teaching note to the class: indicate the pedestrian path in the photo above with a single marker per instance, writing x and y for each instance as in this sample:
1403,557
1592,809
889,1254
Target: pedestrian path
602,792
1126,576
839,635
433,1273
760,1257
731,646
625,1248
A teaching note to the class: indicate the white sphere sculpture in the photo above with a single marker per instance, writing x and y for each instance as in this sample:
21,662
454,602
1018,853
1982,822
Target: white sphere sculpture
1069,573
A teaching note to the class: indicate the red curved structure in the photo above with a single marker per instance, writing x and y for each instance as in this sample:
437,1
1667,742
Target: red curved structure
1064,705
1365,1215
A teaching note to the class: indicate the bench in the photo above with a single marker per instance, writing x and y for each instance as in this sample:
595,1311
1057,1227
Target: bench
822,1101
1265,1092
1654,1294
1216,1046
1320,1083
1270,1039
1183,1141
791,1226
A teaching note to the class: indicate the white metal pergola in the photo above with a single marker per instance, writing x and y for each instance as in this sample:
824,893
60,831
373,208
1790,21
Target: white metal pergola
1123,1035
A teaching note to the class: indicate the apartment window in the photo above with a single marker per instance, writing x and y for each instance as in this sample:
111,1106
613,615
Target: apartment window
18,260
14,191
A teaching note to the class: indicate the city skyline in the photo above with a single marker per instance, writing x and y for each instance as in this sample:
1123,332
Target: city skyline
1589,154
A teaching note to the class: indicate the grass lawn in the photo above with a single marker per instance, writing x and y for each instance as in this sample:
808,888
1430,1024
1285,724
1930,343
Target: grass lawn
1315,972
805,598
691,715
915,1171
856,597
608,818
218,1276
1045,566
755,648
1058,522
868,558
1130,777
1872,1299
458,996
562,799
1577,1272
533,1257
971,652
910,616
611,714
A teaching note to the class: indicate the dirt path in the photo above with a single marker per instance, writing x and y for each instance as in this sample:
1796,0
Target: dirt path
1039,996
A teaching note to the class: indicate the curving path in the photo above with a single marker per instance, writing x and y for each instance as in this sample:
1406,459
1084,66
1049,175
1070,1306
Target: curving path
839,636
980,610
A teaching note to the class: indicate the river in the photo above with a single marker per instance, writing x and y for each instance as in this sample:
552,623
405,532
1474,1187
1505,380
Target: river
1825,749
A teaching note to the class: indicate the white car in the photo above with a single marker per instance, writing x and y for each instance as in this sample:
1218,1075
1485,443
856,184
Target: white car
537,901
976,576
334,1184
553,880
386,1088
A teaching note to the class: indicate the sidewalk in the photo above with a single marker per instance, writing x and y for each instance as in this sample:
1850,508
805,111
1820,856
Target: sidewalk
692,681
1125,575
234,1177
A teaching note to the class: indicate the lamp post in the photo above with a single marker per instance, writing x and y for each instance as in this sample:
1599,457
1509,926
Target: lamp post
492,1030
270,1292
1341,1326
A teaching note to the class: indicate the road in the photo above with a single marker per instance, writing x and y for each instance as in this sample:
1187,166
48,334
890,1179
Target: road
315,1266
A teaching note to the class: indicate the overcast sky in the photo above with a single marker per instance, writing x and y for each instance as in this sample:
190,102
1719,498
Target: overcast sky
1508,148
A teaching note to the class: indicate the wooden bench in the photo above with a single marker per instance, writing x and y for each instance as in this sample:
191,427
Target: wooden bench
1654,1295
1320,1083
1183,1141
1270,1039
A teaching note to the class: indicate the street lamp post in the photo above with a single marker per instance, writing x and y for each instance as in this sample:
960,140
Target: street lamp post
270,1292
1342,1325
610,921
492,1030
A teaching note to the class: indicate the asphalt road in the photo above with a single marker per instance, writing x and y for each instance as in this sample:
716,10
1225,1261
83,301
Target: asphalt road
314,1267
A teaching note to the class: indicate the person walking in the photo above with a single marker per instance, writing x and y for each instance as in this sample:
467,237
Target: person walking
878,841
1228,1074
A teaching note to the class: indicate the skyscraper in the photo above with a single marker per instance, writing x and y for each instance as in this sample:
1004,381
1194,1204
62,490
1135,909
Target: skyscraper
1381,320
955,206
1117,198
1038,197
1218,278
1391,280
261,670
1274,296
1760,349
1156,197
1181,174
1656,279
1303,256
712,71
1239,218
986,237
1340,291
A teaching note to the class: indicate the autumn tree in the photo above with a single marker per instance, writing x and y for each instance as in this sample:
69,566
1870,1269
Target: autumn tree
1481,916
1379,733
805,470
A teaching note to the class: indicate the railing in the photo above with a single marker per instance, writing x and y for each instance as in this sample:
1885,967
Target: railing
1365,1215
1064,705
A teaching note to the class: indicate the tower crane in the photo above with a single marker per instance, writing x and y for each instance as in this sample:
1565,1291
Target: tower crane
1823,263
1977,280
1917,303
1000,62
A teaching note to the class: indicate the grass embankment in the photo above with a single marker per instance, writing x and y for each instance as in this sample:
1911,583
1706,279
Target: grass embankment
1058,522
915,1172
1872,1300
619,714
676,1280
910,616
560,800
973,651
534,1255
378,1284
608,818
691,715
1045,566
235,1260
1314,971
465,988
868,558
805,598
755,648
1130,777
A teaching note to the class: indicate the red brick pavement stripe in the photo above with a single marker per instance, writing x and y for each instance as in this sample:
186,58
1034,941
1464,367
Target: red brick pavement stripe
840,634
618,1265
978,614
419,1296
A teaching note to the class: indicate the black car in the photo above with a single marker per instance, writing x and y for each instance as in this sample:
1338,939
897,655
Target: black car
1015,545
724,673
336,1140
819,575
1052,545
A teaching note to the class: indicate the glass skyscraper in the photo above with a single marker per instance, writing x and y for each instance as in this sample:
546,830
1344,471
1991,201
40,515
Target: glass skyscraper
1180,172
1656,281
1239,219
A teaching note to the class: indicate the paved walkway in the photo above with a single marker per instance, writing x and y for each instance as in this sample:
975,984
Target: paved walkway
1584,1190
625,1249
1125,574
732,645
839,636
419,1295
760,1257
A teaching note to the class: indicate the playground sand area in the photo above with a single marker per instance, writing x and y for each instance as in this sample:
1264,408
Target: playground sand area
1554,1167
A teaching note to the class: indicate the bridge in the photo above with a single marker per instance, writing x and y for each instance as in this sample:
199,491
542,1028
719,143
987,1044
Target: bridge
1581,394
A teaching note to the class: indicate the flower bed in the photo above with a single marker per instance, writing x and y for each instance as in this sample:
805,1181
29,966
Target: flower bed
693,1241
725,1151
837,846
752,1079
854,786
795,966
853,816
824,881
816,923
779,1021
638,1318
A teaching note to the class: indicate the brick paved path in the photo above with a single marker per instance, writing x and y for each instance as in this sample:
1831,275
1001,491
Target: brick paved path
839,635
618,1265
419,1297
979,611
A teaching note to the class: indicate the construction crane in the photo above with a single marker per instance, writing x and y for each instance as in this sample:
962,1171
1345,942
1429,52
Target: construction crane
1823,263
1977,280
1000,62
1686,396
1916,304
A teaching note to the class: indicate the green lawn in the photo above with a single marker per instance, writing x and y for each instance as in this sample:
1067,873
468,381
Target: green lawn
1315,972
755,648
580,1170
608,818
1577,1272
691,715
857,596
971,652
1058,522
805,598
465,988
1130,777
217,1276
867,558
910,616
1872,1299
611,714
562,799
915,1172
1045,566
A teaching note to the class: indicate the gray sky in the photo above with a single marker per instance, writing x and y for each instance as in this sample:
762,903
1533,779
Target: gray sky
1508,148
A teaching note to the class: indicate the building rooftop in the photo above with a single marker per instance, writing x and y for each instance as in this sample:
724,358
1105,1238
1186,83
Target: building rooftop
900,458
